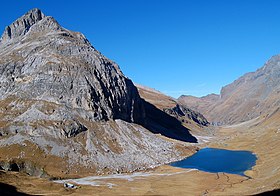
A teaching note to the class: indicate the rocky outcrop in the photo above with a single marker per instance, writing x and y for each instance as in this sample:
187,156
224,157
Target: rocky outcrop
199,104
181,112
60,95
20,166
21,26
248,97
161,122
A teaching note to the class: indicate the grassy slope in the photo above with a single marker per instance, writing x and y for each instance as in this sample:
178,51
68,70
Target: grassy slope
162,101
260,135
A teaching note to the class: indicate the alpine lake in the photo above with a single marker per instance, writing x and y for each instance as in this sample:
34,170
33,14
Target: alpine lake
219,160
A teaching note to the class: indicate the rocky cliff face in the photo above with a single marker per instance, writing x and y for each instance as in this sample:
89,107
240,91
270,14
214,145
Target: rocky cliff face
59,94
21,26
248,97
182,113
41,60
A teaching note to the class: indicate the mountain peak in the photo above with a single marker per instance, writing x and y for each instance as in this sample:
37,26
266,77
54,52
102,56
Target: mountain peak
22,25
35,12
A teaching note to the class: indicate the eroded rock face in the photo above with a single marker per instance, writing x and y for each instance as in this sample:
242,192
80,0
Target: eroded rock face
181,112
58,93
43,61
21,26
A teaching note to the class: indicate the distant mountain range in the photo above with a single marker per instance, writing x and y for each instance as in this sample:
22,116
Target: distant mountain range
252,95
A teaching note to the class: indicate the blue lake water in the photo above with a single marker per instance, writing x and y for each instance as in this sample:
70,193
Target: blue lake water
219,160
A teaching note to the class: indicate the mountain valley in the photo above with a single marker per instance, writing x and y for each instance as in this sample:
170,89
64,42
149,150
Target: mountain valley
68,113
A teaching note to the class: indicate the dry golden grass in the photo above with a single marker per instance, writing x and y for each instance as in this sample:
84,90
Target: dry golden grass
162,101
260,136
158,99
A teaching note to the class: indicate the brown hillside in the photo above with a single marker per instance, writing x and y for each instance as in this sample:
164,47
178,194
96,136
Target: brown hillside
246,98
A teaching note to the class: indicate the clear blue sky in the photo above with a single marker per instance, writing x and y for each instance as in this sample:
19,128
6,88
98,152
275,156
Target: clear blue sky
175,46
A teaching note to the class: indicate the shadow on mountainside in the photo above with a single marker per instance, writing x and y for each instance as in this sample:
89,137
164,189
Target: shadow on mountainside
273,192
6,189
9,190
159,122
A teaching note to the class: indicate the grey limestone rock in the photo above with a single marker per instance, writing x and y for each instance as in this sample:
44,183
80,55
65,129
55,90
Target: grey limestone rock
43,61
181,112
21,26
59,93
